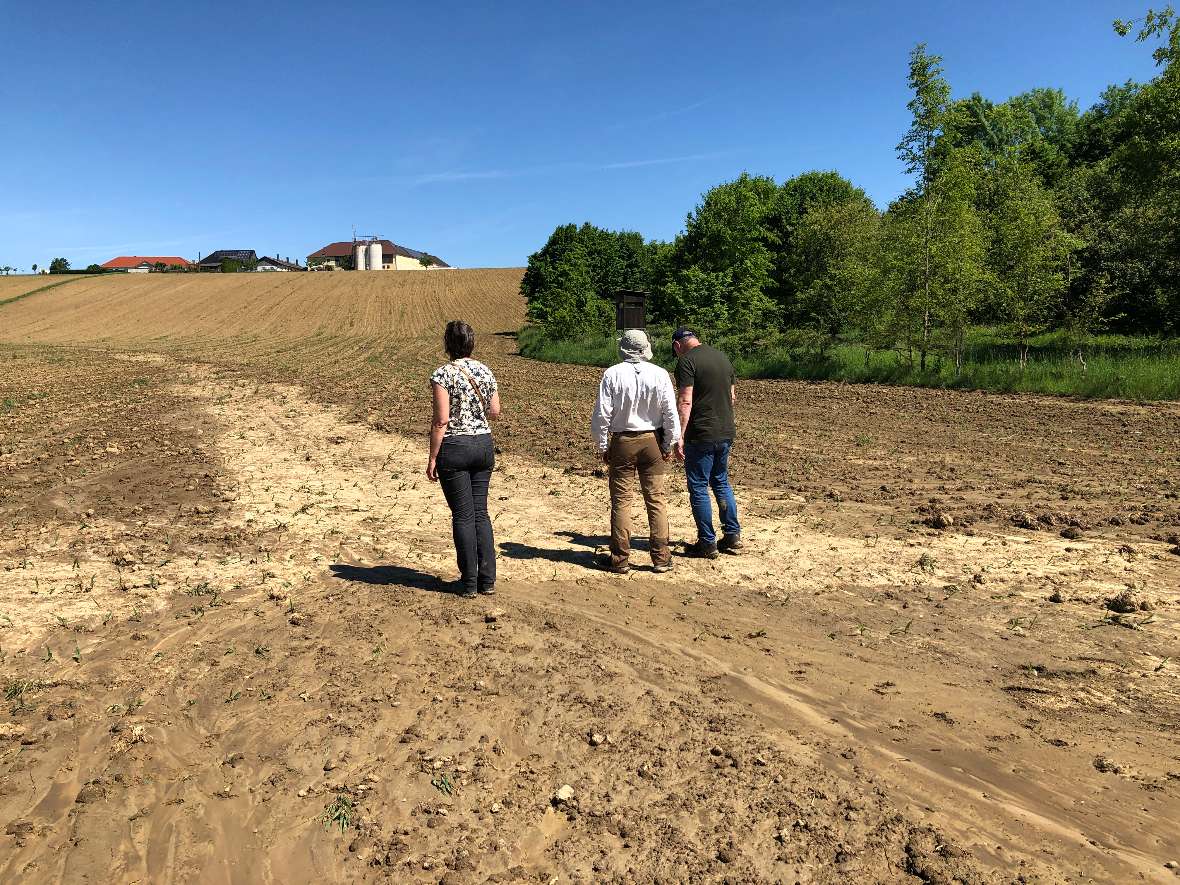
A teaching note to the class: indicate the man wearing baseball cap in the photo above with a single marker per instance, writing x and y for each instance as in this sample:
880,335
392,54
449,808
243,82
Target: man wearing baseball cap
705,403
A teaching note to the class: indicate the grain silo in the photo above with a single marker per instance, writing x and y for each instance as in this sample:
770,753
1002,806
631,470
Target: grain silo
375,256
361,255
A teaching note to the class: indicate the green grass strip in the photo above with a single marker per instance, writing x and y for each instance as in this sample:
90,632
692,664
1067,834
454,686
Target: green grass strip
1116,367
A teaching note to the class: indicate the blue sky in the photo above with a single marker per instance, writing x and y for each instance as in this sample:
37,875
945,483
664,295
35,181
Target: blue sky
471,129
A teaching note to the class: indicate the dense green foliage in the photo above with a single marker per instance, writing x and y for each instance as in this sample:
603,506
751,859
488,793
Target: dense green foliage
232,265
1025,216
59,265
570,282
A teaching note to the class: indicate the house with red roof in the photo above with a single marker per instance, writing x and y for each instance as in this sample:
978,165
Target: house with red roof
393,256
145,263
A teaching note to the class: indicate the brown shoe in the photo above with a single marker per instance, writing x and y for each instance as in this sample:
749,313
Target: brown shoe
623,569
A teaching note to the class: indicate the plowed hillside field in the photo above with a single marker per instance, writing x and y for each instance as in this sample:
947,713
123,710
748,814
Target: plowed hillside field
948,652
14,287
137,307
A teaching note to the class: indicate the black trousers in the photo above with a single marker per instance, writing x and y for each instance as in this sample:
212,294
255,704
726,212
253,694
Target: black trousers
464,470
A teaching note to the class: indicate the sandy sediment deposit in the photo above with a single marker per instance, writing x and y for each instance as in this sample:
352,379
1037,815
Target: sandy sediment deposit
950,651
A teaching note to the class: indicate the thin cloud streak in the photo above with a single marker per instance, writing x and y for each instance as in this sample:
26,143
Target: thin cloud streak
657,118
436,177
550,168
40,215
665,161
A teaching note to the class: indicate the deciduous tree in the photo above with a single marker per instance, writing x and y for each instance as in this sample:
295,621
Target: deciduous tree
1029,251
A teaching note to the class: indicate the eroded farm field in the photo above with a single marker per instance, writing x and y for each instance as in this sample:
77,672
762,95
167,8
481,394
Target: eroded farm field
950,653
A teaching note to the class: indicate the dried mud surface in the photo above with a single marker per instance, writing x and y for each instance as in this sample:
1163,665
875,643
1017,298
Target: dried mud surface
949,652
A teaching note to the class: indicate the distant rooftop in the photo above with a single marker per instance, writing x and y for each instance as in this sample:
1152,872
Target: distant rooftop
241,255
344,249
123,262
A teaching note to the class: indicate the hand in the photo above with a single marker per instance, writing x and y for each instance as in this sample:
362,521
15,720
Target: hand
680,450
667,455
432,470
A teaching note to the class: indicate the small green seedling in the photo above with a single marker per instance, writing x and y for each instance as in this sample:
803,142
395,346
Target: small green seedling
443,783
341,812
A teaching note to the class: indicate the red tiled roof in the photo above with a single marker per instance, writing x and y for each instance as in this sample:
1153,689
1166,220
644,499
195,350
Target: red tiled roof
125,261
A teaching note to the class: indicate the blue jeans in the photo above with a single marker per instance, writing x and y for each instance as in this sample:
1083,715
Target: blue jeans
706,466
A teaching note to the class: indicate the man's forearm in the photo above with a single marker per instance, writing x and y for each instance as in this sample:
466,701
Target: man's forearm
600,421
600,433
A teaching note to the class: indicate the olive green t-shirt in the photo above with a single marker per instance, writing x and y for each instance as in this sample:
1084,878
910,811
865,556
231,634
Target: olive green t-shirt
710,375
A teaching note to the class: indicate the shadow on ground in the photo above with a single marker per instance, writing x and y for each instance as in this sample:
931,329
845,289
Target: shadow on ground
591,541
391,575
595,542
513,550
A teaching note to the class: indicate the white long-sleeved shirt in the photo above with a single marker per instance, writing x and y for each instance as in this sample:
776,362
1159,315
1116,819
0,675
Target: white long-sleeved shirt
635,396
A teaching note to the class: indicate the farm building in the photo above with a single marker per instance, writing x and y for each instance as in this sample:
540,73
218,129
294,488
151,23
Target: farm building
244,258
268,264
393,256
144,263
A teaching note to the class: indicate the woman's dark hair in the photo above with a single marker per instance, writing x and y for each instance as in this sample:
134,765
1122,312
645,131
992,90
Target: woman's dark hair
459,340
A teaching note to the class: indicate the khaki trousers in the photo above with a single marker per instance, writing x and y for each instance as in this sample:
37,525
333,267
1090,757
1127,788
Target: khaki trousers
630,454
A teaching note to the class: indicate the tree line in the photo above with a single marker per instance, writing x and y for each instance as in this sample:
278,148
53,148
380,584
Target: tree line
1026,214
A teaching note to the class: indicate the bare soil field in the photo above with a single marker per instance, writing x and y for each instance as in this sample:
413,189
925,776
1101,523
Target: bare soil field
14,287
949,653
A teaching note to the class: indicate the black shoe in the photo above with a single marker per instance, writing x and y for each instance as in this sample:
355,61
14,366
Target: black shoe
700,550
730,544
489,590
464,593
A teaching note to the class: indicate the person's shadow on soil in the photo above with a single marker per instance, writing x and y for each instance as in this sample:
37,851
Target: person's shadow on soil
392,575
591,541
513,550
596,541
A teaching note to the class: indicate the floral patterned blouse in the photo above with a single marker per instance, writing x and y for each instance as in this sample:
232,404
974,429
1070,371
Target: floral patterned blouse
467,412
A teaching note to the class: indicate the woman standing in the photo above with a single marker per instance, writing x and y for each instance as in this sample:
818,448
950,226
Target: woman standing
466,399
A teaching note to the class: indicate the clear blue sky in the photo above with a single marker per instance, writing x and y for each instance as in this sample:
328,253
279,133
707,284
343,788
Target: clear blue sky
471,129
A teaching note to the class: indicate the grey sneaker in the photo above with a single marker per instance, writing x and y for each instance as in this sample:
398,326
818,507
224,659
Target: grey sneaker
730,544
662,569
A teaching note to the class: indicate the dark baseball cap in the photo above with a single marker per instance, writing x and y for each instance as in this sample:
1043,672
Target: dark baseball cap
682,333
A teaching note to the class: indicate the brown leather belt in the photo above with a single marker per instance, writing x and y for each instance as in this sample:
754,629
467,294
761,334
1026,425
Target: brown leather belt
632,432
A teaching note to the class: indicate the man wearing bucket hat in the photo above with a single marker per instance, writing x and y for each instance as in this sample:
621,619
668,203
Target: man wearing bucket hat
635,428
707,397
